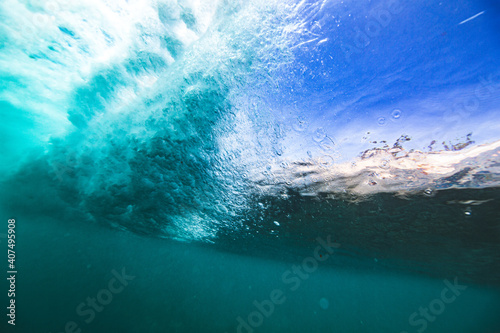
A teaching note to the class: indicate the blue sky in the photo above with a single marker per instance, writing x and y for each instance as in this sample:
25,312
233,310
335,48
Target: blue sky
358,62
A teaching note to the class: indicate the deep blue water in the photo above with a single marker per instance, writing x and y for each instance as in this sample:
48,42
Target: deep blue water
251,166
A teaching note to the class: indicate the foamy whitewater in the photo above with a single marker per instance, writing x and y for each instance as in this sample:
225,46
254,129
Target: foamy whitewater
209,146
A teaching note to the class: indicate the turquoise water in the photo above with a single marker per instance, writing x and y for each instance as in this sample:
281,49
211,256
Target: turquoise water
259,166
184,287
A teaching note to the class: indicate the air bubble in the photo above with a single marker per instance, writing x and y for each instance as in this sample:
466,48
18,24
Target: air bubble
319,134
384,164
324,303
468,211
40,20
222,209
381,121
428,192
326,161
327,144
284,165
277,223
396,114
300,124
52,7
278,180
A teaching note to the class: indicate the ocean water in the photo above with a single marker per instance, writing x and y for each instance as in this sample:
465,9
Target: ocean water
250,166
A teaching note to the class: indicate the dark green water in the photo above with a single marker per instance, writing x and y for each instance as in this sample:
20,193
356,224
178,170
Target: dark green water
393,257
